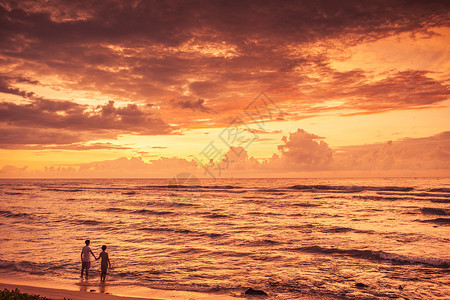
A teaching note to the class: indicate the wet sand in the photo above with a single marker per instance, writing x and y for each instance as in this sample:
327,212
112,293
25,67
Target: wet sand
95,290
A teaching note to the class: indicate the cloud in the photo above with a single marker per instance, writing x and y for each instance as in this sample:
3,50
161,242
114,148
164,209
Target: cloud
72,116
405,154
237,158
20,138
74,147
192,105
46,139
151,52
165,59
7,89
301,154
402,90
13,171
171,25
302,150
358,93
122,167
259,131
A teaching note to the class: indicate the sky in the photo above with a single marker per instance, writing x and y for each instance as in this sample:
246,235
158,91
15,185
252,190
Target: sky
224,88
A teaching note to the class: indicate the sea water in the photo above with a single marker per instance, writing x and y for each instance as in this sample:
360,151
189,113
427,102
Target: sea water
348,238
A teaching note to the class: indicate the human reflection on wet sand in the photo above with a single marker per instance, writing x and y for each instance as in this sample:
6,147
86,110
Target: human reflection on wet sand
102,287
86,286
83,286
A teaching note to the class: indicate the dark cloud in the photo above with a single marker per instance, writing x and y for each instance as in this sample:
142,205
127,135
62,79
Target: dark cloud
12,137
72,116
77,147
18,138
178,21
149,50
359,93
407,89
192,105
207,89
221,52
6,88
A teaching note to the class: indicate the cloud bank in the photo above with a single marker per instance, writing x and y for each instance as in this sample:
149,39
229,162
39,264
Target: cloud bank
301,154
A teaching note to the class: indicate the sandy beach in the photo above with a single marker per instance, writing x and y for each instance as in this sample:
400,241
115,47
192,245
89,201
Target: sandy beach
95,290
61,293
152,294
56,290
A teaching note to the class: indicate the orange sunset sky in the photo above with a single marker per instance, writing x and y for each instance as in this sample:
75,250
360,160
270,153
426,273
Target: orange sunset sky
224,88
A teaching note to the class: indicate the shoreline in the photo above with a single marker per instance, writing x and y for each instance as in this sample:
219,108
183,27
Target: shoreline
56,293
95,290
53,289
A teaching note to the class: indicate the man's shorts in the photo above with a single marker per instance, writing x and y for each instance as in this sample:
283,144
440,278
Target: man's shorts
86,264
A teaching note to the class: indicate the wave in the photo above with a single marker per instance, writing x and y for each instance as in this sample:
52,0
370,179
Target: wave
182,231
115,209
173,201
176,186
404,197
215,216
130,193
229,192
262,242
381,198
423,194
442,221
440,190
86,222
223,187
138,211
350,189
273,191
30,267
305,204
196,188
151,212
63,190
211,234
165,229
181,204
9,214
328,229
435,211
440,200
337,229
377,256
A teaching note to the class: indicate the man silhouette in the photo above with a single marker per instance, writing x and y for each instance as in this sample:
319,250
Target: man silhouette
86,258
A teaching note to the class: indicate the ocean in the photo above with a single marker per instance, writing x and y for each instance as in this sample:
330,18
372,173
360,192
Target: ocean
349,238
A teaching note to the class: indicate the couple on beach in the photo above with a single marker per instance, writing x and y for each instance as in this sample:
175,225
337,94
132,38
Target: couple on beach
86,260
